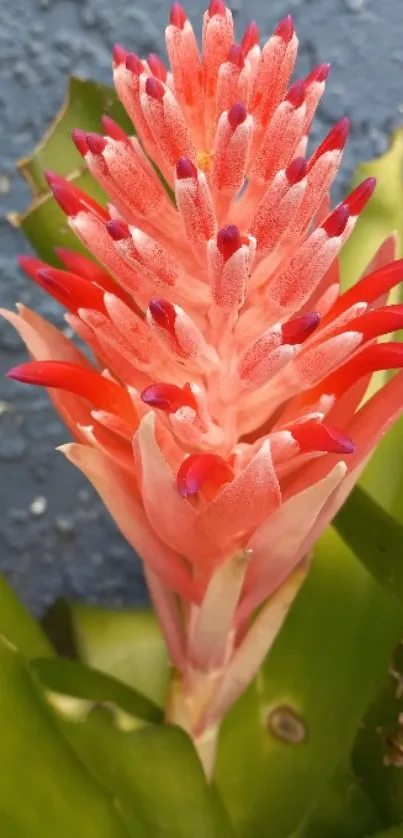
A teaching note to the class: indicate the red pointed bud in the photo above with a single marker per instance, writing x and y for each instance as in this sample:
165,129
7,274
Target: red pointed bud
155,88
112,129
359,198
79,140
299,329
235,56
48,279
296,94
296,171
285,29
96,144
217,7
134,65
251,37
202,471
318,74
177,16
157,66
237,115
185,169
163,314
30,264
314,436
336,222
119,55
228,241
168,397
118,230
66,198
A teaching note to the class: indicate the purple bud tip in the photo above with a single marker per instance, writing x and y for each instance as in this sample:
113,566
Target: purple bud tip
155,88
185,169
237,115
228,241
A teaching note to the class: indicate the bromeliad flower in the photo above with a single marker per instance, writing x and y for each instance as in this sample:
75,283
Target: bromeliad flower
222,419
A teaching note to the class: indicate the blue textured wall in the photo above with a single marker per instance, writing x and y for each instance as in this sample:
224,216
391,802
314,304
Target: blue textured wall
54,535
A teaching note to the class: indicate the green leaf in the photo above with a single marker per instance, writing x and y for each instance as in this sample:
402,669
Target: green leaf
156,777
394,832
378,754
127,645
85,103
46,226
285,738
44,790
343,811
382,216
17,625
70,678
375,537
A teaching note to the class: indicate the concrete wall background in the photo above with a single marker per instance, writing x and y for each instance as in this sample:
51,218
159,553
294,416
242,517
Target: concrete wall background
55,537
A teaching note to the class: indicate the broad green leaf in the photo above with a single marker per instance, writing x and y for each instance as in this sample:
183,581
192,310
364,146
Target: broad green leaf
44,789
70,678
393,832
45,225
17,625
378,754
85,103
375,537
343,811
125,644
283,741
156,777
382,216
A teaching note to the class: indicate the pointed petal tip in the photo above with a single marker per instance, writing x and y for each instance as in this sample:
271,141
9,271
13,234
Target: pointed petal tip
336,222
217,7
185,169
118,230
177,16
237,115
296,93
155,89
79,139
251,37
119,55
296,170
285,29
134,64
197,470
95,142
228,241
236,56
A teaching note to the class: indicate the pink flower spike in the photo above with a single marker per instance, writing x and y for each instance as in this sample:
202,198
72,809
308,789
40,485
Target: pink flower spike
236,56
118,230
133,64
237,115
296,170
336,222
359,198
198,470
177,16
155,88
157,66
250,38
80,141
163,314
119,55
228,241
185,169
217,7
168,397
96,144
314,436
298,330
296,93
285,29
